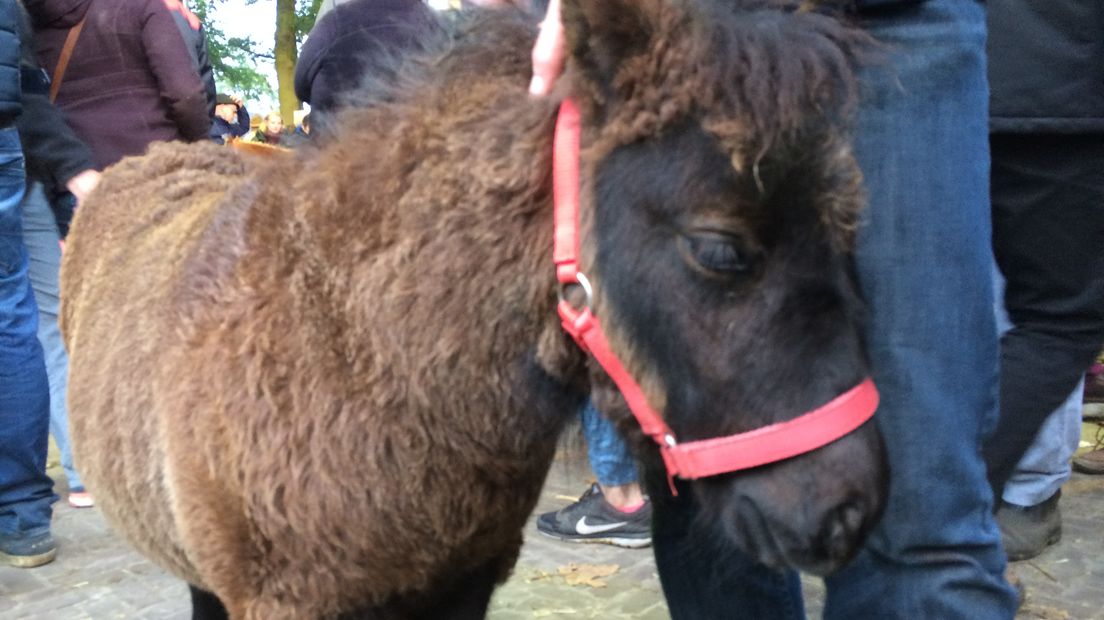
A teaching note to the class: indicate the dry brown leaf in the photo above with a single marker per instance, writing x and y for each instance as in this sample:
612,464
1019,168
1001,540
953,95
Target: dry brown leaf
538,575
588,574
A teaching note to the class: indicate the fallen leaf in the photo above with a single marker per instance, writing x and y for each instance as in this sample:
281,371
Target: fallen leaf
538,575
587,574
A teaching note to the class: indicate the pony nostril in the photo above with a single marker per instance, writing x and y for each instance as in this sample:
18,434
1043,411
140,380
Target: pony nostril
841,531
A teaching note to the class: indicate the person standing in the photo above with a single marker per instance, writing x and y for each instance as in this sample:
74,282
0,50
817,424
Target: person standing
614,510
352,40
1047,142
195,39
231,119
60,166
129,79
26,493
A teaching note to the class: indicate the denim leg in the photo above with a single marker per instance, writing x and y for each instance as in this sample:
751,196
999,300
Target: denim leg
26,493
1045,467
40,236
609,457
925,267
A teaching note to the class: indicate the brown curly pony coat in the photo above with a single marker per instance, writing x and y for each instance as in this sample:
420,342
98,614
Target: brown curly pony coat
333,382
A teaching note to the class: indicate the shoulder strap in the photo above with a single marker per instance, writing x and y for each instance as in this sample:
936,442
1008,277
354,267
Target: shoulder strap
63,60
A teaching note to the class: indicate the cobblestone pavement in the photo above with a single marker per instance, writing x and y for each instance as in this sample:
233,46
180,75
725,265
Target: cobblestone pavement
96,576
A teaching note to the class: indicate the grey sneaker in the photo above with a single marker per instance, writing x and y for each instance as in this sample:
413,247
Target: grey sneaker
28,551
1027,530
593,520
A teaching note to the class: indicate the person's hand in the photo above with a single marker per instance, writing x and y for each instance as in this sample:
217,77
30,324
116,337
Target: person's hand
83,184
238,101
548,52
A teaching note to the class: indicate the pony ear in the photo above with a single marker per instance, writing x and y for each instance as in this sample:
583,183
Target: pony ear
601,34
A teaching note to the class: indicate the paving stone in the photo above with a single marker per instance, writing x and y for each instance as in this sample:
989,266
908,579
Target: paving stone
98,576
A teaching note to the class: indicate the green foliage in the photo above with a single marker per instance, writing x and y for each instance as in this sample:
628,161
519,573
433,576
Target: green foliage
305,13
233,58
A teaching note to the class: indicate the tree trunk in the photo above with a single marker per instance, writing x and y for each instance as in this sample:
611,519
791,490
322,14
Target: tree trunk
286,54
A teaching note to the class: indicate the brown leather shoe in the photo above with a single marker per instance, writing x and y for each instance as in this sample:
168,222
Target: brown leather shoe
1090,463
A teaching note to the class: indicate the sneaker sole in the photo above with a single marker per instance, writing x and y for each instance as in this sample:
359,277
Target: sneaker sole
627,543
29,561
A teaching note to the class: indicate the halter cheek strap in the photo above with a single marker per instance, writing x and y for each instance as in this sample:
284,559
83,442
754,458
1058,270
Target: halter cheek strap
695,459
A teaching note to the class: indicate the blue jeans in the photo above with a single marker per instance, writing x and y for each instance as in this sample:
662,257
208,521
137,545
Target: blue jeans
925,268
609,457
40,236
26,493
1045,467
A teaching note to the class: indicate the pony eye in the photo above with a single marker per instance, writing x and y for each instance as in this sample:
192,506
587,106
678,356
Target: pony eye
717,254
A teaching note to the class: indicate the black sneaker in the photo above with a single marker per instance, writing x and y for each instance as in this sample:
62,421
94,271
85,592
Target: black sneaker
28,551
1027,530
593,520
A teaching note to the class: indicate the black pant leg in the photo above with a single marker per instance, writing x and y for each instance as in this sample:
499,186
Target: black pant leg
1048,238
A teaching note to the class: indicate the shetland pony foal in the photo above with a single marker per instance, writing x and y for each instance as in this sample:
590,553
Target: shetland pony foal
330,385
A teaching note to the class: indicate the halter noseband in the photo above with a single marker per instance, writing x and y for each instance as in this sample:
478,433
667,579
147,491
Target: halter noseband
694,459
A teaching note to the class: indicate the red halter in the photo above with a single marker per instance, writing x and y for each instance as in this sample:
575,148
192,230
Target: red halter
695,459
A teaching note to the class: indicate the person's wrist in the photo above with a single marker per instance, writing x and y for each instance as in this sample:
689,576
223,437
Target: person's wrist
83,183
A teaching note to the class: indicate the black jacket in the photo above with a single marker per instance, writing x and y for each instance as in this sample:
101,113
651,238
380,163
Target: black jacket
354,39
1046,66
10,99
196,39
53,152
221,130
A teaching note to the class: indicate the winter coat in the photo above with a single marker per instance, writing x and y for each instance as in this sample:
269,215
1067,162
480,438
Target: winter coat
130,80
220,129
53,153
196,41
354,39
10,99
1046,66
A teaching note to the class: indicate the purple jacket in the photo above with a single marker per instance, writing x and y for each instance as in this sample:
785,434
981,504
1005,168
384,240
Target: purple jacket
130,80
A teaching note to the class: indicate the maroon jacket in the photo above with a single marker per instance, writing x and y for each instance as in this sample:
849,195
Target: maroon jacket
130,80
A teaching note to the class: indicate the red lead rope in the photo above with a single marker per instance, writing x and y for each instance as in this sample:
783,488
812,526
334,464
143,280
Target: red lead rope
695,459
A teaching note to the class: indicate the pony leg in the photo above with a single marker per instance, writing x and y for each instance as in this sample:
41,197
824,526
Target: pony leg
206,606
467,598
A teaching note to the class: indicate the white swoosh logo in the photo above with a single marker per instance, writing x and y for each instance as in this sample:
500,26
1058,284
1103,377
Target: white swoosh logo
583,528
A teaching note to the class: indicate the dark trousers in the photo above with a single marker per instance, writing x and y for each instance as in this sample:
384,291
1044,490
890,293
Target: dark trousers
1048,238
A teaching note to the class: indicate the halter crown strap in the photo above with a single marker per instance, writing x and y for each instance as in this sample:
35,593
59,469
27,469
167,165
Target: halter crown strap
695,459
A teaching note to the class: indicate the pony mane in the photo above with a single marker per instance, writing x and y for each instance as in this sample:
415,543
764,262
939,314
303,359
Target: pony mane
758,73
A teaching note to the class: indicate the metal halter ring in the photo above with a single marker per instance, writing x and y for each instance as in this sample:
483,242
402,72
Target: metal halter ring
581,280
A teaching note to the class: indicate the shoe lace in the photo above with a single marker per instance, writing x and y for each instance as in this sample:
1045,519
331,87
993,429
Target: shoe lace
1098,438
